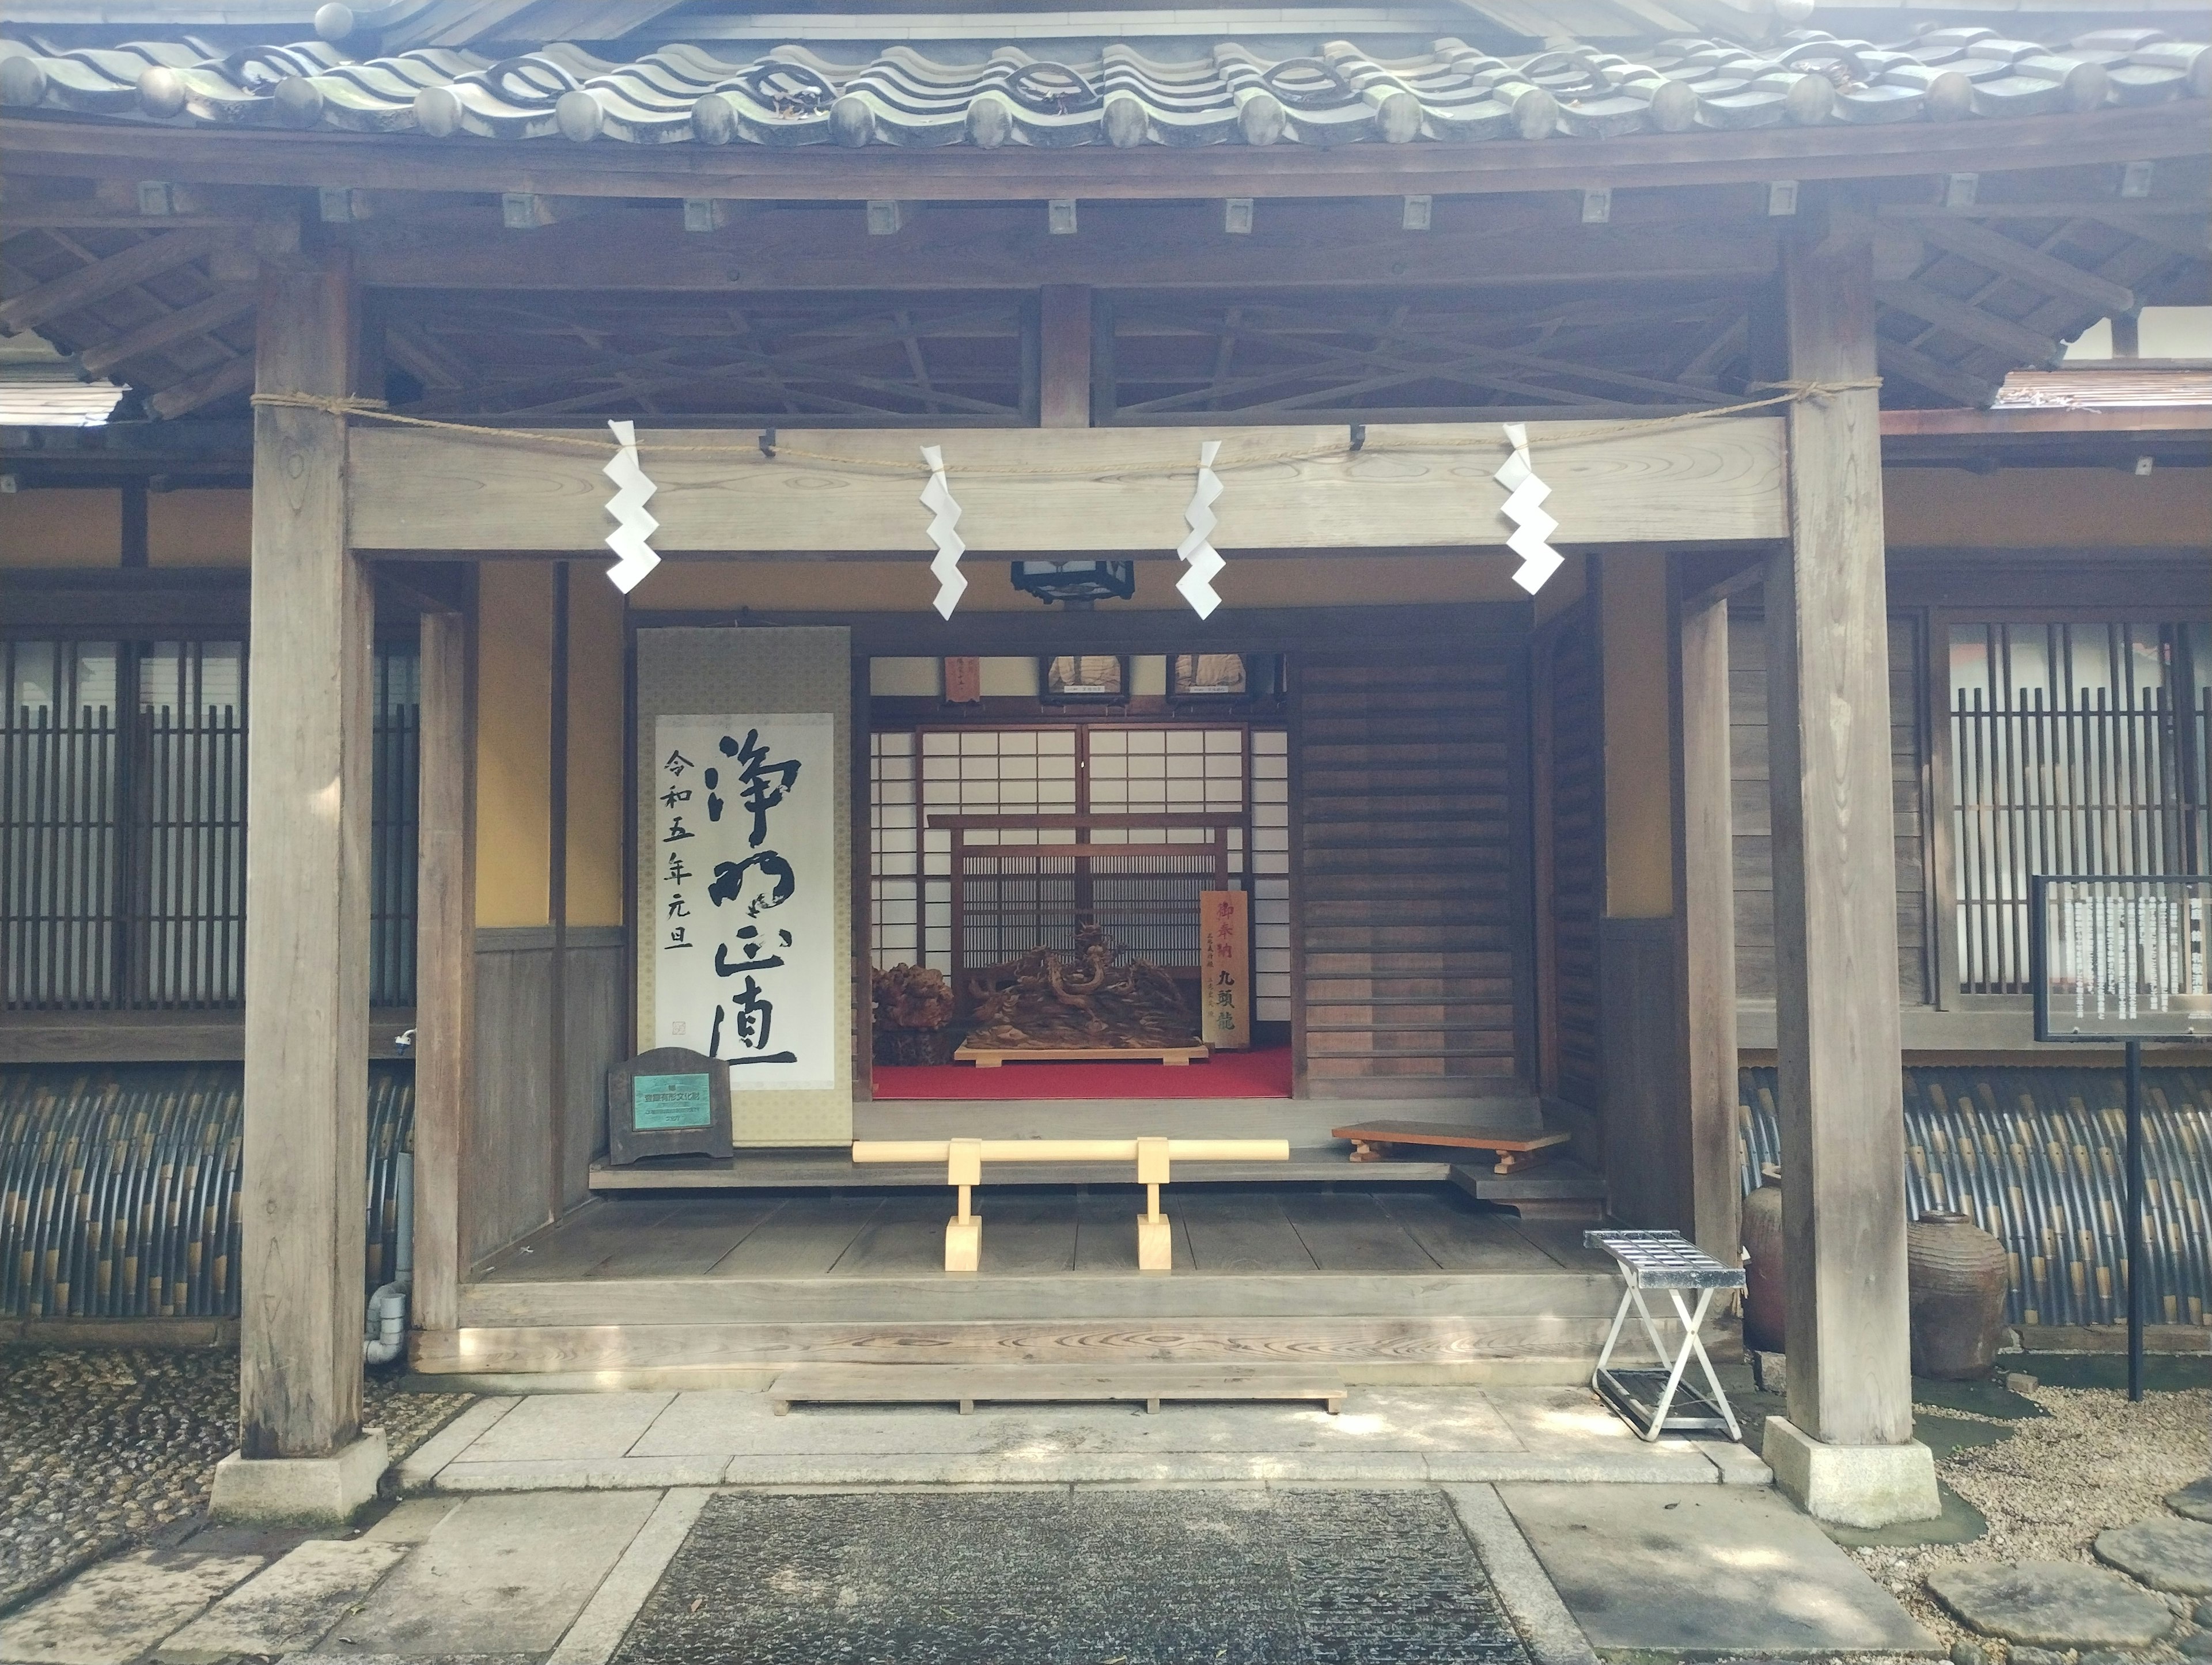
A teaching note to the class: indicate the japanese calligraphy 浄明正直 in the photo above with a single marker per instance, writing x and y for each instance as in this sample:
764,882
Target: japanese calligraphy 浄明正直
744,854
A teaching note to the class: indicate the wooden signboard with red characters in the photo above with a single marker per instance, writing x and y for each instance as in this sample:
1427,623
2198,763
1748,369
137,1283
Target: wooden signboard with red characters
1225,960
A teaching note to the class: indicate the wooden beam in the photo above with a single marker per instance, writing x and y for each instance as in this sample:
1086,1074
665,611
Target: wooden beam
1064,357
964,172
1416,486
135,265
223,306
2032,266
205,388
1835,877
306,894
2024,345
1707,886
446,970
1121,245
1910,364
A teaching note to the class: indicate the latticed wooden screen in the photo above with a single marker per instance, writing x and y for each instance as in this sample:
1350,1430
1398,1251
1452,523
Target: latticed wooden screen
2076,748
1132,769
122,825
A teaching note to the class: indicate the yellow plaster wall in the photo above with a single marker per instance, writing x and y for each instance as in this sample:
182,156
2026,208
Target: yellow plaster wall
2085,508
514,738
1639,772
595,749
199,528
906,586
69,527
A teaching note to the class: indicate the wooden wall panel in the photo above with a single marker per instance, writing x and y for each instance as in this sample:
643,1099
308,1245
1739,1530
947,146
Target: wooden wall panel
1406,874
505,1190
594,1004
1754,872
1570,838
1647,1115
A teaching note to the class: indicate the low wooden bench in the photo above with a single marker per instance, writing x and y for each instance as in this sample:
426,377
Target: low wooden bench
963,1160
1517,1151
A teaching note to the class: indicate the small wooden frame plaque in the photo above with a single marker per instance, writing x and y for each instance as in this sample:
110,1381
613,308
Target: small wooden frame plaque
669,1102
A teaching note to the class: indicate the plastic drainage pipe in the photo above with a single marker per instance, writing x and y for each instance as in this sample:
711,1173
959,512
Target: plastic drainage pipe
385,1332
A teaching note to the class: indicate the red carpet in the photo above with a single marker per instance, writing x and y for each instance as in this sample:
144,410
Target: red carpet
1258,1074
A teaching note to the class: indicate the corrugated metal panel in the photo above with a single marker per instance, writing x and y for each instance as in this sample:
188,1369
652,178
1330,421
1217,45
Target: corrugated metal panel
2038,1156
119,1187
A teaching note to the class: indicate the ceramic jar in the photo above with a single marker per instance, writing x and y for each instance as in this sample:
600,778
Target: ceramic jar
1766,1296
1960,1277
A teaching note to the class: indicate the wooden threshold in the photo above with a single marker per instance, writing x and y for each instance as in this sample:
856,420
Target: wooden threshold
968,1386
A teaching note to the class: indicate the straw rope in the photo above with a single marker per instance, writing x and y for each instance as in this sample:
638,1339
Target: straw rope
1786,392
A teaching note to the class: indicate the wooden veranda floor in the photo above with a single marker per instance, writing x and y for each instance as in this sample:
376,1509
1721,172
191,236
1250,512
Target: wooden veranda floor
1392,1279
1393,1230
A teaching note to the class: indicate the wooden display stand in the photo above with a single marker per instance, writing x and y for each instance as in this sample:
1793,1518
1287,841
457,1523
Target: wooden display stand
989,1058
1516,1152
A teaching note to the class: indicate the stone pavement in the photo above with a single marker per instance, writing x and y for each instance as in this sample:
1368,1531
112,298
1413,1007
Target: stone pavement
730,1437
540,1539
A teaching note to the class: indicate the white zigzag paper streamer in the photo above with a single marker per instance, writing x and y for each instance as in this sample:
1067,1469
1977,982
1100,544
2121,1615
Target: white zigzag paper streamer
944,515
1197,583
1524,507
634,527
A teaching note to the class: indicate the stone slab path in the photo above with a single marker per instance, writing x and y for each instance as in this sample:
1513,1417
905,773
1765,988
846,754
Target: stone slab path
2165,1554
1259,1574
113,1612
714,1438
2194,1501
1704,1570
2051,1604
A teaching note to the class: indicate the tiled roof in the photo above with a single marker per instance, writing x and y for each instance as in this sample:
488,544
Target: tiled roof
793,95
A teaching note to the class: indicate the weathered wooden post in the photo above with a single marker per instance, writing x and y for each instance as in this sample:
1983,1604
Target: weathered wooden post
445,969
302,1454
1707,888
1846,1451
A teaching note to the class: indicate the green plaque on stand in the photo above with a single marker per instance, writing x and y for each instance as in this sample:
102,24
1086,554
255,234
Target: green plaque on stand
660,1103
670,1102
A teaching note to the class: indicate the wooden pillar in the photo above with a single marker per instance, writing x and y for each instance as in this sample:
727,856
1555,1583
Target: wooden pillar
1835,890
444,973
1708,892
307,892
1064,358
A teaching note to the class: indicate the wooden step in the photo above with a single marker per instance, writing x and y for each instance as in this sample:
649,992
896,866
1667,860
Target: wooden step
969,1385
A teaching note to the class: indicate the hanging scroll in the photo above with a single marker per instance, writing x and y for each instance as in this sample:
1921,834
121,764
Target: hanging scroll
747,955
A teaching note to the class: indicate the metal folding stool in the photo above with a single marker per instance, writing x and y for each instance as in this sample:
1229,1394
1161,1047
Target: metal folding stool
1668,1260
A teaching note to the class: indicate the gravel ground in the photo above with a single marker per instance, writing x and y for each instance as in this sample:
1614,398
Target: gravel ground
2094,1462
104,1449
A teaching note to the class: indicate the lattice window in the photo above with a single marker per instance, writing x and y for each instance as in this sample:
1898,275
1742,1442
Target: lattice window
2076,748
1128,769
123,807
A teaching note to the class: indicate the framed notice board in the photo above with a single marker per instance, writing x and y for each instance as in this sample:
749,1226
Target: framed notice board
669,1102
2121,959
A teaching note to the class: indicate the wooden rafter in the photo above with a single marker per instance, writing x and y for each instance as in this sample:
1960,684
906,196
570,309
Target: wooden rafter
1351,359
698,349
104,276
223,306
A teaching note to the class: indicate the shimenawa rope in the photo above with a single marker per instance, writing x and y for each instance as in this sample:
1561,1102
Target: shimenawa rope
1788,392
